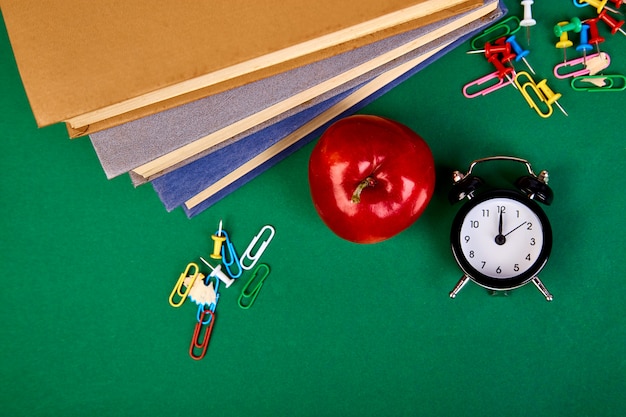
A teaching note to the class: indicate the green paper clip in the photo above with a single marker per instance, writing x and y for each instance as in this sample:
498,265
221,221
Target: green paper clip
599,83
246,299
506,27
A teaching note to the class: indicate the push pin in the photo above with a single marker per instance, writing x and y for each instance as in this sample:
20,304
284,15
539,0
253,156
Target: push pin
595,37
574,25
584,44
218,240
598,4
528,20
614,24
520,53
492,49
617,3
550,96
564,41
218,273
502,70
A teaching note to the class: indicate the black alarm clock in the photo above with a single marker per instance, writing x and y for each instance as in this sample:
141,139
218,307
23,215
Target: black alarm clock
501,238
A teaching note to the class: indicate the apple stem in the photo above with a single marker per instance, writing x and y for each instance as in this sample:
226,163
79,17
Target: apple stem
367,182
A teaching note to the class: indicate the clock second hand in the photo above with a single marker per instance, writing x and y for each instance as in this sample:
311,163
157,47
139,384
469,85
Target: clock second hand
516,228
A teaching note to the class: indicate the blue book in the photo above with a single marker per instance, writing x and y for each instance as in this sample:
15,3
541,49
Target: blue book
159,143
201,183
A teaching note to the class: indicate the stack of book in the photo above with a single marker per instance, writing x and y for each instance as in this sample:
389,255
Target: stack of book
197,98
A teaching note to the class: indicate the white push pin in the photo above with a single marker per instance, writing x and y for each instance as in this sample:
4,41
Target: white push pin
218,273
528,20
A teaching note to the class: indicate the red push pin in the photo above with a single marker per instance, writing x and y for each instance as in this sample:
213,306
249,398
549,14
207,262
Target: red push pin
594,34
502,70
614,24
617,3
492,49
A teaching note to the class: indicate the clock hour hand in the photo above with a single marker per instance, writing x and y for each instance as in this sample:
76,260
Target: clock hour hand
516,228
500,238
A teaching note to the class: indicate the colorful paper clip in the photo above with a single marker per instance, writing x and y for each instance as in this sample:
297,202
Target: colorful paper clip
506,27
247,298
179,284
590,65
544,94
250,252
490,88
198,346
599,83
230,258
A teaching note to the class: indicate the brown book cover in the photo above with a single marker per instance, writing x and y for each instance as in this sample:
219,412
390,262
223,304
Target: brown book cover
85,62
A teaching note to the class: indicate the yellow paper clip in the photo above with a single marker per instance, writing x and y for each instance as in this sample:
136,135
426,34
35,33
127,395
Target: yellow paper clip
545,96
250,252
179,284
506,27
599,83
246,298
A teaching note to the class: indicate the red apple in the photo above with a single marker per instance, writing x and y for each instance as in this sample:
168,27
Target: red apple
370,178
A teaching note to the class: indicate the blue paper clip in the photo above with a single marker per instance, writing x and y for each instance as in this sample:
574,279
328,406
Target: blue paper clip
211,306
248,254
599,83
229,257
247,298
506,27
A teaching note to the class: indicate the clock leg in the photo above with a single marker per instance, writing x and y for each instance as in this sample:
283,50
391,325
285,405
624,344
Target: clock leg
542,288
459,286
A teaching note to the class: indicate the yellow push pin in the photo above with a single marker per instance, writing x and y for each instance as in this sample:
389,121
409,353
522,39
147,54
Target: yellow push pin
218,240
550,96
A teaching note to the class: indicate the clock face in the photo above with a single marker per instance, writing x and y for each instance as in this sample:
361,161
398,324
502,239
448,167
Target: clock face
501,239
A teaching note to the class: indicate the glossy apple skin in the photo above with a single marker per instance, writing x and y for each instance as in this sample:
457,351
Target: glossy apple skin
396,159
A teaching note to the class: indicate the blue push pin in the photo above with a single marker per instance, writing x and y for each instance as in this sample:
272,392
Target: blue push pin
520,53
584,45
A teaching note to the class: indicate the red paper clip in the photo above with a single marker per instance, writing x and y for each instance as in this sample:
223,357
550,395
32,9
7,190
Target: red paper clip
201,345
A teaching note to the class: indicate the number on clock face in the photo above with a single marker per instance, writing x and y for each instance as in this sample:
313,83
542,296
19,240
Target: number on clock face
501,238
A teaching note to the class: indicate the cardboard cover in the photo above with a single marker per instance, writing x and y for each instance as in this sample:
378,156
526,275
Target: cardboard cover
84,62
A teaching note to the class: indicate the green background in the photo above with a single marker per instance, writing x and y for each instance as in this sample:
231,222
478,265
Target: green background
339,329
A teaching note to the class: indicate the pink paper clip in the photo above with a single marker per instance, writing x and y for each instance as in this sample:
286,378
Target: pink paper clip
590,65
198,347
483,80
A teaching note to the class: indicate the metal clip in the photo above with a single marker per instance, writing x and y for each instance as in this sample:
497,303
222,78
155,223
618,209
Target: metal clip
506,27
179,285
229,257
502,82
599,83
196,342
257,254
543,93
546,110
246,299
584,66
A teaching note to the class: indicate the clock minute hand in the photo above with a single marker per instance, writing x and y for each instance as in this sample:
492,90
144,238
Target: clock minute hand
516,228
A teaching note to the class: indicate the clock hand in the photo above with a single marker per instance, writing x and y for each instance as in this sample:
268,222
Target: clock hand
516,228
500,238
